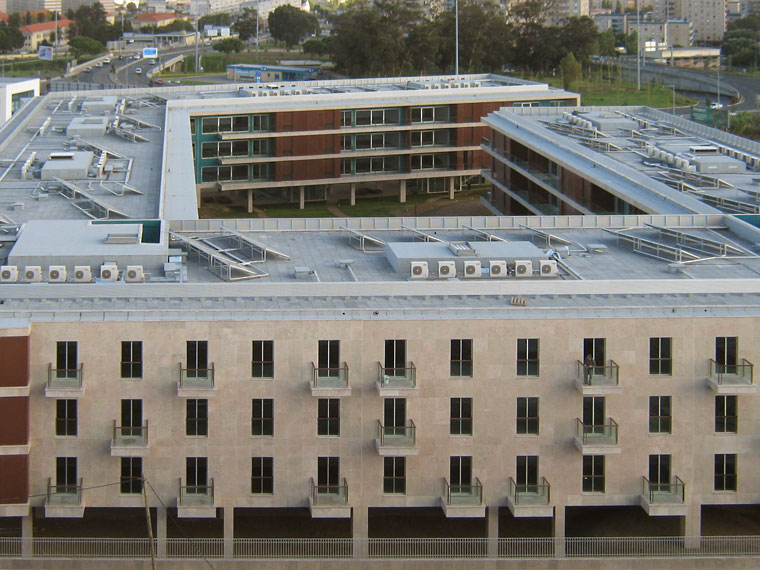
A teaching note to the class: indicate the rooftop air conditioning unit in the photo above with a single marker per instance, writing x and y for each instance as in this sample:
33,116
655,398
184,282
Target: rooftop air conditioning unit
523,268
33,273
498,269
447,269
82,274
8,274
548,268
109,272
419,270
134,274
472,269
57,274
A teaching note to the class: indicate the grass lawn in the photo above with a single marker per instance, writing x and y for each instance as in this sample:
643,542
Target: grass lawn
382,207
214,211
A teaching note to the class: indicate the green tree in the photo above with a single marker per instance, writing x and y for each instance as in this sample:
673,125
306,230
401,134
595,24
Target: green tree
290,25
315,47
606,43
579,37
228,45
245,25
571,70
82,45
10,38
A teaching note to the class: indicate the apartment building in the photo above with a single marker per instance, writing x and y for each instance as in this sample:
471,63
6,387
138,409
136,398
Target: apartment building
35,34
708,17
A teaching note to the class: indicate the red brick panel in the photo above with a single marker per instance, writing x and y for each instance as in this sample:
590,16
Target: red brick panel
14,361
14,421
14,479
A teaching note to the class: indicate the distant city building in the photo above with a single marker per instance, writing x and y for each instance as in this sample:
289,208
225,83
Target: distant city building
660,34
708,16
264,7
13,92
108,5
21,6
686,57
561,10
155,20
35,34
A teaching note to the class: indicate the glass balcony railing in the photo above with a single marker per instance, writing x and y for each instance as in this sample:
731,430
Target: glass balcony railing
65,378
64,495
592,434
523,494
599,376
329,495
196,378
397,377
732,374
196,495
664,493
397,436
130,436
329,377
470,494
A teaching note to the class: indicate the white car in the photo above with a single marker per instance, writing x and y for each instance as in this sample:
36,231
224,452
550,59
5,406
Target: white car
107,60
138,70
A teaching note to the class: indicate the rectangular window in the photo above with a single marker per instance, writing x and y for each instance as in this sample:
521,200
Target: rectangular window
660,356
263,359
430,114
131,475
240,123
131,418
328,417
461,416
395,358
594,355
328,358
660,415
460,473
197,418
209,125
66,363
346,119
461,357
66,474
66,417
394,475
726,416
328,474
197,475
197,358
527,416
725,472
262,475
726,355
262,416
527,357
593,473
261,123
260,147
527,471
659,470
131,359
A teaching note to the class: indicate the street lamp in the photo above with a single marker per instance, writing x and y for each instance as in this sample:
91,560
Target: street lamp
638,46
456,37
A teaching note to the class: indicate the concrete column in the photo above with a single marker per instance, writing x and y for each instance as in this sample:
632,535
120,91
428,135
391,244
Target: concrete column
27,533
353,193
402,193
198,195
229,532
451,188
559,532
493,531
160,532
360,531
250,201
301,197
691,526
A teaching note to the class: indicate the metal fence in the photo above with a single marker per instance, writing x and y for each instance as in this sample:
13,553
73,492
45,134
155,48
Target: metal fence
384,548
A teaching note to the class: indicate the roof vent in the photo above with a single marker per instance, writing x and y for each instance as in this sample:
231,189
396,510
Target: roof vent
461,248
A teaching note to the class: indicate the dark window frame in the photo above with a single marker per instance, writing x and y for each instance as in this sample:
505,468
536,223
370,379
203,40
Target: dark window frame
461,416
262,417
262,475
528,357
461,364
527,415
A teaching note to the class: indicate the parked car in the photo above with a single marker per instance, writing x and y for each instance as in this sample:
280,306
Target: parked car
158,82
107,60
138,70
99,64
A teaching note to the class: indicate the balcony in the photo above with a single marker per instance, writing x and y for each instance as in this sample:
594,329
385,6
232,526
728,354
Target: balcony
196,501
330,382
598,380
530,500
396,382
64,501
65,383
396,441
731,379
129,441
664,499
463,501
599,439
329,501
196,382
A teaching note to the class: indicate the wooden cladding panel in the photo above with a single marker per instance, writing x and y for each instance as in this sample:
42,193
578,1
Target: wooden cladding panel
14,479
14,421
306,120
14,360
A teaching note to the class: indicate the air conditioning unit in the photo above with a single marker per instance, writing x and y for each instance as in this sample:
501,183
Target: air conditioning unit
57,274
523,268
109,272
8,274
548,268
447,269
419,270
82,274
33,273
472,269
498,269
134,274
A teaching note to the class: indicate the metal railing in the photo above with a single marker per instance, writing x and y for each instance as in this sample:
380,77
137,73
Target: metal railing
397,435
329,495
397,377
599,375
196,378
664,493
539,494
471,494
64,494
66,378
592,434
329,377
728,374
387,548
126,436
196,495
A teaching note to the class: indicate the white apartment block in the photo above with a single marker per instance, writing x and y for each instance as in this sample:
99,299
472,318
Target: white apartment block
708,17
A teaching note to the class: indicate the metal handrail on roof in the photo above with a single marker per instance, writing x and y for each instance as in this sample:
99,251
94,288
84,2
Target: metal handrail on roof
653,248
696,243
547,236
219,263
262,247
362,238
726,204
86,203
423,235
483,233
